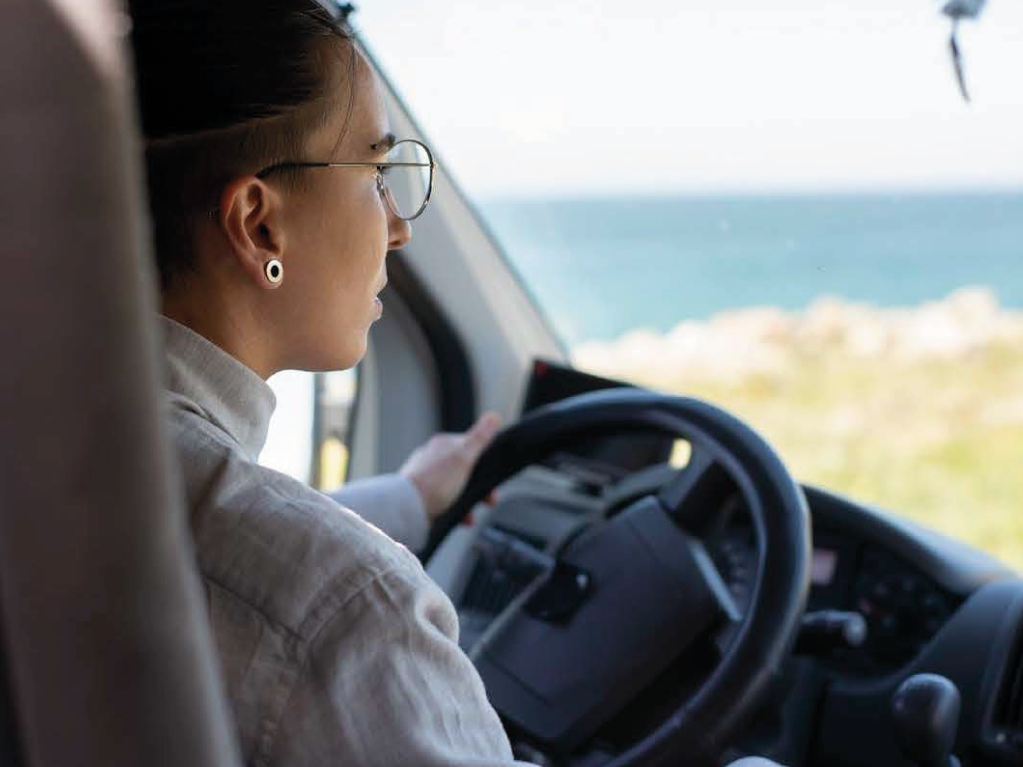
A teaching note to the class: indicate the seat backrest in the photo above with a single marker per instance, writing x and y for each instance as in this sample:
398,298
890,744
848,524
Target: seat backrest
108,656
10,750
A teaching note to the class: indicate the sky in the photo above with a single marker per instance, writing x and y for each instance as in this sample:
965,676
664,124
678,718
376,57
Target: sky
591,97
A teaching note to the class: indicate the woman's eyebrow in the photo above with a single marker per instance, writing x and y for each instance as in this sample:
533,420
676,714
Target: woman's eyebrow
383,144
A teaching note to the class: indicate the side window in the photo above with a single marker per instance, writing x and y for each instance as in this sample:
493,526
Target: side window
309,434
334,403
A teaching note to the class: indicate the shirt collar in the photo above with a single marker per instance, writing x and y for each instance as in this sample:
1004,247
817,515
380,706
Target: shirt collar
228,393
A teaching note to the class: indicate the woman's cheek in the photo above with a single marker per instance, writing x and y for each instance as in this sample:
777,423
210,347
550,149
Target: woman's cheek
379,215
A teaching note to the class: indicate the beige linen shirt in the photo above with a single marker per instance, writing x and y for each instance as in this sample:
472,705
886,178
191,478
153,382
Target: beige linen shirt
336,647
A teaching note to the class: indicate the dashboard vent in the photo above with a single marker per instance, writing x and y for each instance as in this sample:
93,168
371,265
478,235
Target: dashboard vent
491,589
508,563
1009,714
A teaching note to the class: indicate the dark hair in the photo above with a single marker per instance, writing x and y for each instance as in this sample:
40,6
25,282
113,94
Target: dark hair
227,87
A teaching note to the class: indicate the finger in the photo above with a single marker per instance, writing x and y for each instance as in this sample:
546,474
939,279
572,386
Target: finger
481,433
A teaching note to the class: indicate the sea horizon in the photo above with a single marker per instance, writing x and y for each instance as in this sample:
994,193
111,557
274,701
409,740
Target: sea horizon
745,193
600,267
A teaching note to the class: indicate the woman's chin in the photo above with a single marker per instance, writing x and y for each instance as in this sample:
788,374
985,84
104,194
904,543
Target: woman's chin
348,353
353,358
344,358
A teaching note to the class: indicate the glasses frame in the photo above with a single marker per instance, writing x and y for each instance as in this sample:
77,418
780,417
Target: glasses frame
385,192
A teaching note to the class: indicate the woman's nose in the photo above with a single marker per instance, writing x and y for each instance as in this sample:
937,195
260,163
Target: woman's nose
399,232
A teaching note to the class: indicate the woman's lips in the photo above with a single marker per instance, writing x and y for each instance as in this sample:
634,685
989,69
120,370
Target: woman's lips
377,303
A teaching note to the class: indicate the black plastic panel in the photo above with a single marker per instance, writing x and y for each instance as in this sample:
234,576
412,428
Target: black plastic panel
654,598
856,724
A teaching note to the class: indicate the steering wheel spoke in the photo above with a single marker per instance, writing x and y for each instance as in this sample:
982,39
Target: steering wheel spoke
696,493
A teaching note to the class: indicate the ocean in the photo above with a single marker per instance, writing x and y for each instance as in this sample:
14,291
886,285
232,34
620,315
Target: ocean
602,267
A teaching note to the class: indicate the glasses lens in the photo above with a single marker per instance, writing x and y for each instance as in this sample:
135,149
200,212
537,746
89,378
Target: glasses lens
408,185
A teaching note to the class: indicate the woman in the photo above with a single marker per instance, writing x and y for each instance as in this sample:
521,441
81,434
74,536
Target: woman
336,647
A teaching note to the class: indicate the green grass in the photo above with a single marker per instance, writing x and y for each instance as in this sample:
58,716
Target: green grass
938,441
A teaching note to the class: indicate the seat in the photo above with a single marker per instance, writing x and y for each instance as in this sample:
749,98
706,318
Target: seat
107,654
107,658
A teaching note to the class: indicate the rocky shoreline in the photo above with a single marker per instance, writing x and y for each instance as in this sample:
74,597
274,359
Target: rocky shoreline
766,340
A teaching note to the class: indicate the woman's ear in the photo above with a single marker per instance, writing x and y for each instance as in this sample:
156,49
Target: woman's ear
249,215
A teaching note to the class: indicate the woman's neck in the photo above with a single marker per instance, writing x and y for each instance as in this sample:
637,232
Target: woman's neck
228,323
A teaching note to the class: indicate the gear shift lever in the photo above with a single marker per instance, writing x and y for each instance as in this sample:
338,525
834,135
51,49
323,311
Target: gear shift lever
925,710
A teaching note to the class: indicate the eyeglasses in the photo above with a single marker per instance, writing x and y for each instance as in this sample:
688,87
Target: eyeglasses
404,178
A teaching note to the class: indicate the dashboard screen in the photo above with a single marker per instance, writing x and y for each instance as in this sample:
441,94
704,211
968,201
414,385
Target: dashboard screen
822,569
550,382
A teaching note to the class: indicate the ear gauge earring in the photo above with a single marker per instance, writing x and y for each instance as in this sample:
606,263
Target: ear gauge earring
274,271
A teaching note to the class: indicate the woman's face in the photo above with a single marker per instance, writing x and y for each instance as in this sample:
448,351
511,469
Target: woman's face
337,231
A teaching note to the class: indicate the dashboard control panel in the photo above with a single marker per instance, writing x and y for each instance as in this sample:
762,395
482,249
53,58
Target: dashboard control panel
901,607
892,608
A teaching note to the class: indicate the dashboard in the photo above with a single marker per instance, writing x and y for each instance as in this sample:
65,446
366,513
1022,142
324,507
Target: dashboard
887,599
882,609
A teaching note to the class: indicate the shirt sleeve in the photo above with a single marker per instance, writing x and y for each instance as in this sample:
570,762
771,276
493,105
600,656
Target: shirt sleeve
390,502
386,685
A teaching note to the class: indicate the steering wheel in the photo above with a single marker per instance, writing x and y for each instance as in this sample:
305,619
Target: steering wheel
635,592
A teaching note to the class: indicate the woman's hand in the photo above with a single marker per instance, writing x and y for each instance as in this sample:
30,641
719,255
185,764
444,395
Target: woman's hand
440,468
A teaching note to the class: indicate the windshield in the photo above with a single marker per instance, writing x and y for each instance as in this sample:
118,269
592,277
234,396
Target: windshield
787,208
